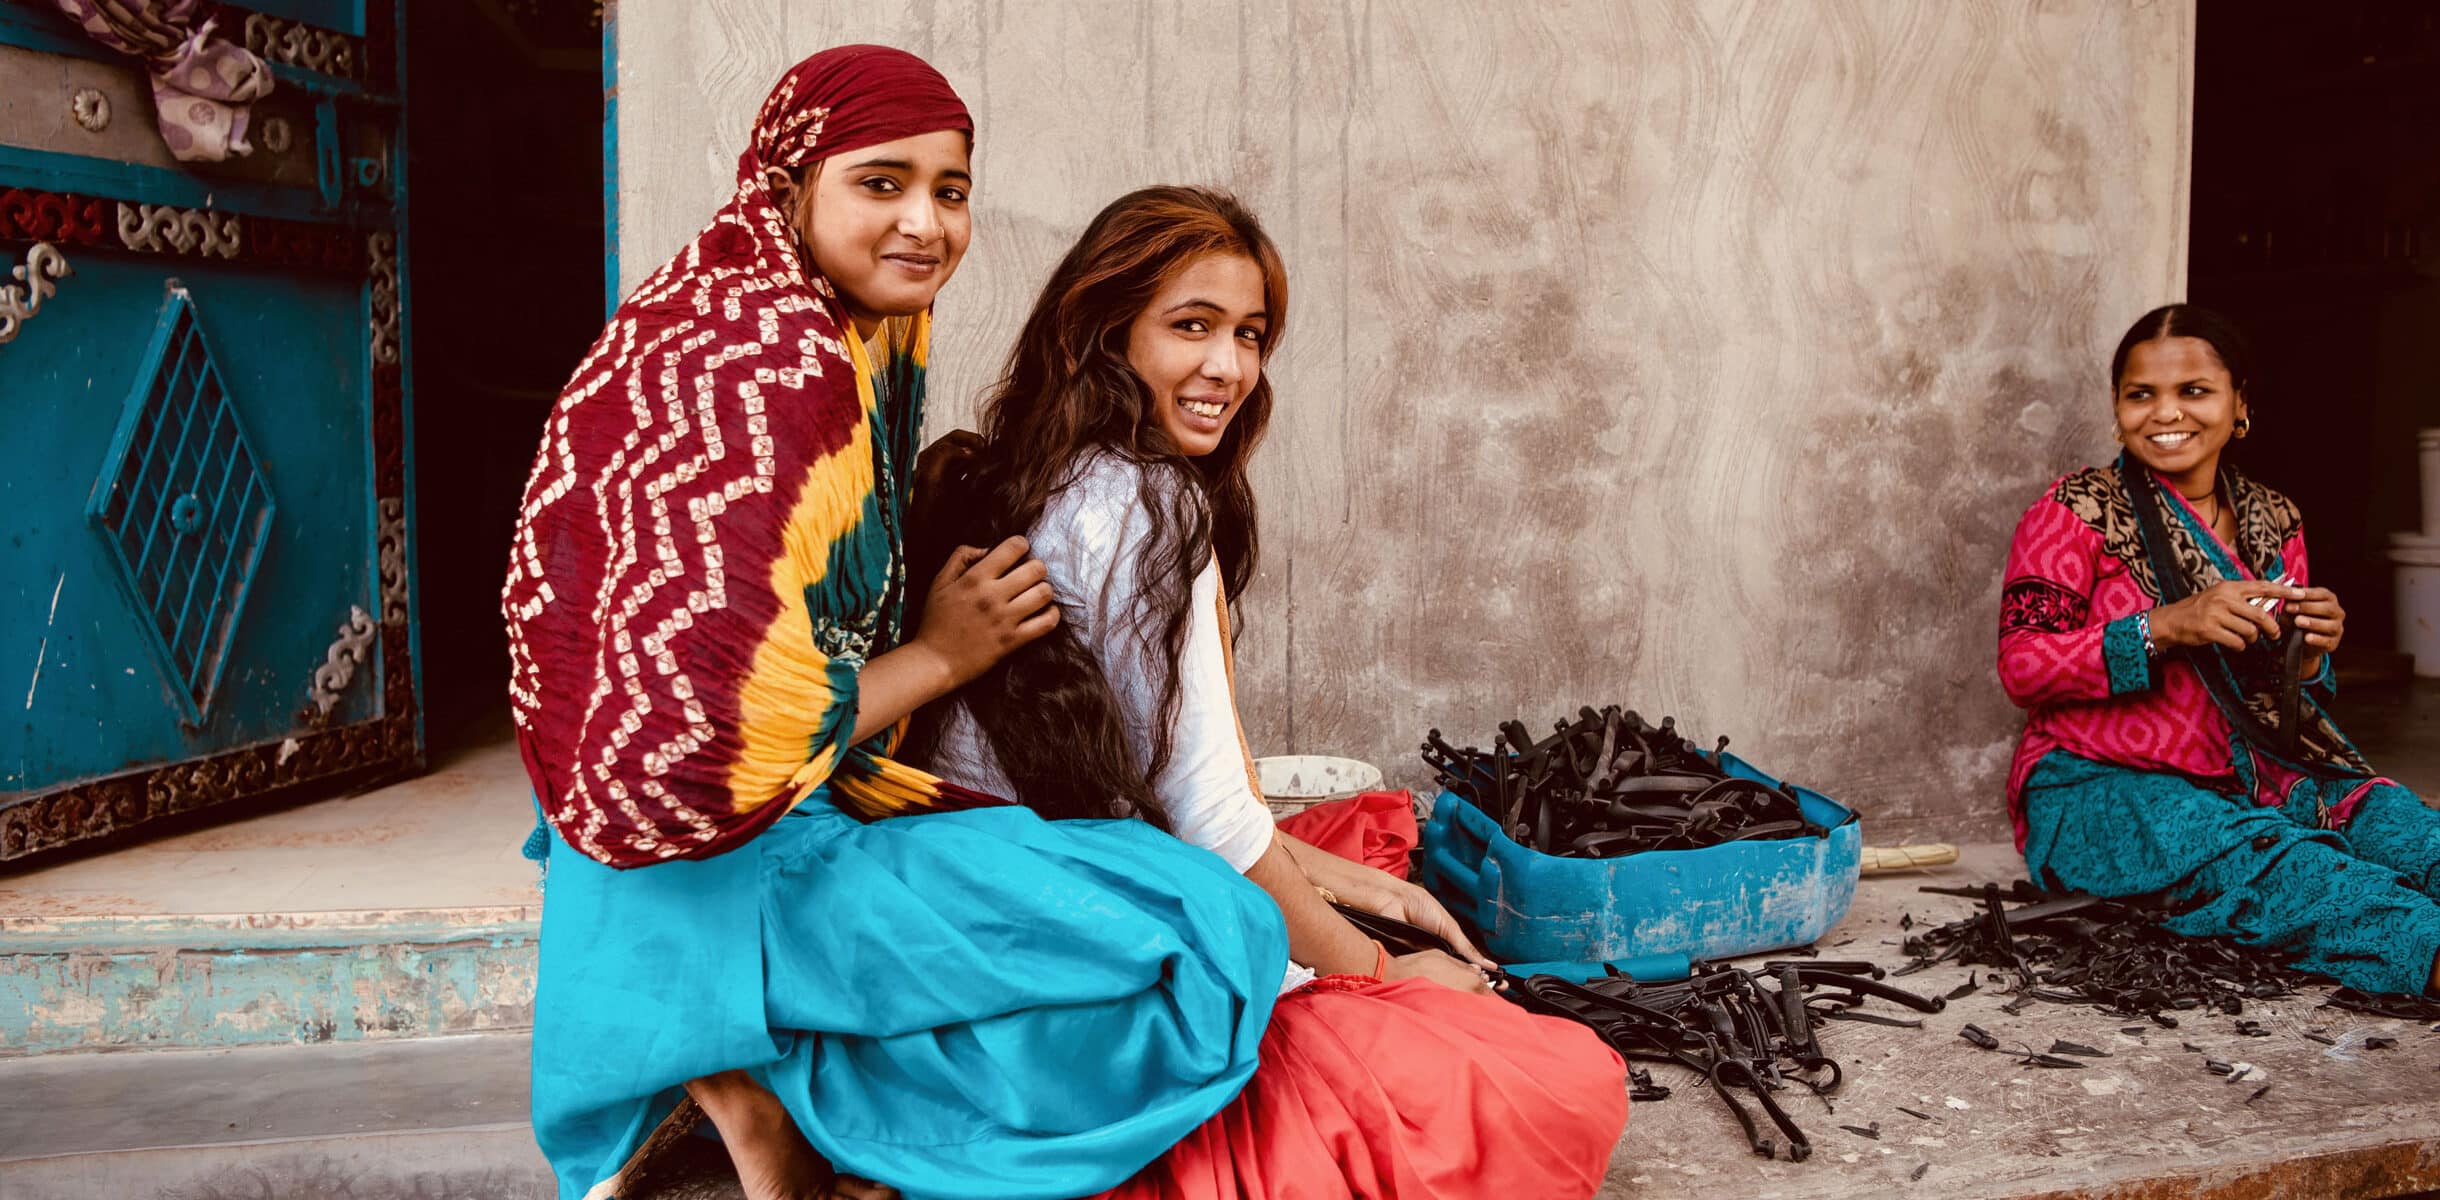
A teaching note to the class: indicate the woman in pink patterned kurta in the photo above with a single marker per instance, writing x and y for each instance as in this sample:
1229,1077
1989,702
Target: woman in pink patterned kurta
2159,626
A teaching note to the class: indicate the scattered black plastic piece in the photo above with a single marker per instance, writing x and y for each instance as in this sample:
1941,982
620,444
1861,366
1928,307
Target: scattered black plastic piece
1916,1115
2241,1072
2400,1008
1919,1172
1748,1033
2033,1058
2076,949
1871,970
2259,1093
1844,1014
2216,1067
2252,1029
1641,1086
2021,890
1963,990
2135,1031
1608,784
1873,1132
1859,987
2323,1038
1979,1036
2067,1047
2380,1043
1906,920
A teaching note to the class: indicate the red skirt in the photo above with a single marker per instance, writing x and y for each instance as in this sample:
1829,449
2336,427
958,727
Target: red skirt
1405,1091
1373,828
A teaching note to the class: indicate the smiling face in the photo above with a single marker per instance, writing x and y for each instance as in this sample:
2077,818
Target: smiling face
887,224
1198,346
2177,408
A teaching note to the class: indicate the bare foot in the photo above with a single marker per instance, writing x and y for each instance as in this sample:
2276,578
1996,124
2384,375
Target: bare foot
773,1159
849,1187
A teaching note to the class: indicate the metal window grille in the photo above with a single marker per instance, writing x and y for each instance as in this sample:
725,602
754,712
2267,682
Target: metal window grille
183,503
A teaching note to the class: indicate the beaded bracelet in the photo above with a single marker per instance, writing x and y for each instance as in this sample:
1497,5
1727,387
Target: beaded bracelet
2143,625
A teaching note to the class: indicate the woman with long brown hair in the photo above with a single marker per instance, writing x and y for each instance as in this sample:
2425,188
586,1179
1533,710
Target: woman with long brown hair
754,912
1117,442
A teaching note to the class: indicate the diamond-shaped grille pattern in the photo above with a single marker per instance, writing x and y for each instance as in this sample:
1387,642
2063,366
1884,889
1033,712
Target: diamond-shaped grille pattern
184,505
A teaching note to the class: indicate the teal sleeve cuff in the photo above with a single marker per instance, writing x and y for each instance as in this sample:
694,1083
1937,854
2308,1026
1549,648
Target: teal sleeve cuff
2325,680
2130,669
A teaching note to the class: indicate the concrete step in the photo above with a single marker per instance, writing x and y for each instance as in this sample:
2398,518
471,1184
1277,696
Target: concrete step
218,980
402,912
440,1118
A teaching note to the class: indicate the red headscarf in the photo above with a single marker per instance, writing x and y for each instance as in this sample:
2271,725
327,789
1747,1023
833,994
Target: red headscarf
708,549
847,98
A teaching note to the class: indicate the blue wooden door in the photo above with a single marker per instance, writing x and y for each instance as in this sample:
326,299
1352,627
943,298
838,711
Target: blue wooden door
204,494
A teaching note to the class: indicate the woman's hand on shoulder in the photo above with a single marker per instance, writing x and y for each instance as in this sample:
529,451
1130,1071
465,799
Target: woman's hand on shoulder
1441,969
985,604
2224,614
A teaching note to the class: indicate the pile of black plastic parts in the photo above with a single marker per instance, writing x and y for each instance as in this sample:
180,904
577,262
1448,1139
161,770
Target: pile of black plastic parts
2076,949
1752,1031
1755,1031
1608,784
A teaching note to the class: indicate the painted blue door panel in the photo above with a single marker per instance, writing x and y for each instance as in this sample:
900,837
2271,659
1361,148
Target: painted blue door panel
100,696
184,506
204,506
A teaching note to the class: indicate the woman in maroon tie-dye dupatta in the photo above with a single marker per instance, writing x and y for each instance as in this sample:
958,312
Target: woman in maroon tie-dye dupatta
845,962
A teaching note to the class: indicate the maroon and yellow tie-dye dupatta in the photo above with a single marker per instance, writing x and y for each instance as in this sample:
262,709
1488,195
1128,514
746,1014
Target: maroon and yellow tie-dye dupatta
710,543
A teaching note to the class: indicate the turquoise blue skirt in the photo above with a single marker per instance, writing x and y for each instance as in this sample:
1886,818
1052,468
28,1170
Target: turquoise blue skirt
964,1005
2356,903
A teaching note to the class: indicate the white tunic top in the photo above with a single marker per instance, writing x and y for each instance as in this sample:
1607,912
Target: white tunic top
1086,541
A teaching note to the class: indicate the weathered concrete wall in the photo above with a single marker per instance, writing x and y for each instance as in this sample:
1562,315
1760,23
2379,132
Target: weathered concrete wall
1695,355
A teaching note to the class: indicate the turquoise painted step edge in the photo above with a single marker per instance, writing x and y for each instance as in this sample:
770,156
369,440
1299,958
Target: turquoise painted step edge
254,979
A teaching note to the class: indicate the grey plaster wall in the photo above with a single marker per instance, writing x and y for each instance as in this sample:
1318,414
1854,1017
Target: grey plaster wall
1689,354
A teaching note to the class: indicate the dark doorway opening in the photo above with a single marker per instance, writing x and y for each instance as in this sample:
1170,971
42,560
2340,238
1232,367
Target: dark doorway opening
505,259
2316,225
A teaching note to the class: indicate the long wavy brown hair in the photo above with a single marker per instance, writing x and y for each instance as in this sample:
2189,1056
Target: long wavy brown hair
1049,712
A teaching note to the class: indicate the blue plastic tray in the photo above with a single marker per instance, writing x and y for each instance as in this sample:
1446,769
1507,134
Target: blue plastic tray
1717,902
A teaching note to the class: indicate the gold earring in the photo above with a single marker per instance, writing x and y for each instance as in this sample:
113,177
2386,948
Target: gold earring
2245,425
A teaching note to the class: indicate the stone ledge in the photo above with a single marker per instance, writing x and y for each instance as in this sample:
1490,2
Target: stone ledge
111,982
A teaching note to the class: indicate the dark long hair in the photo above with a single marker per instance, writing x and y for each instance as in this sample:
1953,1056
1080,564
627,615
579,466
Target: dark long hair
2194,321
1050,714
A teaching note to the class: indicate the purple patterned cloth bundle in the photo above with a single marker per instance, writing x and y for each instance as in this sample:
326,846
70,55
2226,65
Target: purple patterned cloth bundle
201,84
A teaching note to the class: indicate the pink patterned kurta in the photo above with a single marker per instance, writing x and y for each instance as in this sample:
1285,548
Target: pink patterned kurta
2070,653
